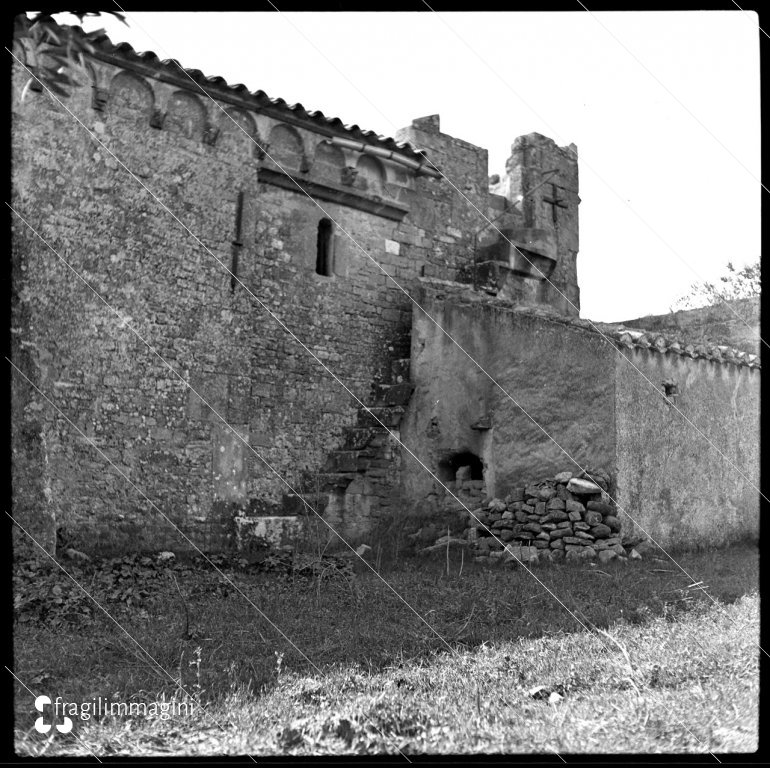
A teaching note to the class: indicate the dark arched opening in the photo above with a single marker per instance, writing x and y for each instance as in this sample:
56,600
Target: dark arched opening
449,465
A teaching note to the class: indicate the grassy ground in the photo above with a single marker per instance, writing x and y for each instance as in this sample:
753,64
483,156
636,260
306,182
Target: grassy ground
660,667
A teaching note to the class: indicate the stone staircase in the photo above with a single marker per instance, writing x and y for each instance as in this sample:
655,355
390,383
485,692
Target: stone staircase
365,467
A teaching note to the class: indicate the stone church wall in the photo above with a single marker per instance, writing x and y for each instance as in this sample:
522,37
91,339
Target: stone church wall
184,304
681,490
585,393
339,235
560,373
235,173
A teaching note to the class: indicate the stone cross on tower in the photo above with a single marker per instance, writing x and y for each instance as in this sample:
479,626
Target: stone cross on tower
543,259
555,202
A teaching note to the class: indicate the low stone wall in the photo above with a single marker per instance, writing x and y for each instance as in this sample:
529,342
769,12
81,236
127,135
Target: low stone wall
471,493
564,517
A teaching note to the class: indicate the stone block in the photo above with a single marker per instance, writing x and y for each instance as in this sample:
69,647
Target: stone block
574,506
592,517
556,516
546,493
606,555
583,487
575,516
646,547
613,523
555,503
523,553
556,544
563,477
572,540
497,505
600,506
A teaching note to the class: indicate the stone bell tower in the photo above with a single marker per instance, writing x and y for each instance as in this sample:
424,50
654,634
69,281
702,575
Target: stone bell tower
541,185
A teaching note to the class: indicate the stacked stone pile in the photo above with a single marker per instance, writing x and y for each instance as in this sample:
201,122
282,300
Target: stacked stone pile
565,517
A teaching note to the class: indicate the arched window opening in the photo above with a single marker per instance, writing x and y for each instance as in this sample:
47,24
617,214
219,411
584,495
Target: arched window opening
371,175
449,466
324,254
285,147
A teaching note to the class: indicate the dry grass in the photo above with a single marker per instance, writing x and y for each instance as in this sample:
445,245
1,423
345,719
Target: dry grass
661,668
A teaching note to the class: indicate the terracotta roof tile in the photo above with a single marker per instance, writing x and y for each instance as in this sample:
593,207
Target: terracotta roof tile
104,45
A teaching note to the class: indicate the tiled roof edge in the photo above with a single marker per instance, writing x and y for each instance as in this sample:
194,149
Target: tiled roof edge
621,337
125,51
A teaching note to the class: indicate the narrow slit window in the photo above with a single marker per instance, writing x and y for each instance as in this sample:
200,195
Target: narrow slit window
323,260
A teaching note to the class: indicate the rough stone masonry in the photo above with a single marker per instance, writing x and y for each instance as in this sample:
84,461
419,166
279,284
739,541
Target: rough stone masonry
164,340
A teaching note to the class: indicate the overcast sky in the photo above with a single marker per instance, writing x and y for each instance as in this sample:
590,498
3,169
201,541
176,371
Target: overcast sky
663,107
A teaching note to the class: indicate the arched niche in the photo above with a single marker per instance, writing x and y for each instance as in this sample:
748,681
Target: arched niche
237,133
465,462
328,162
130,96
185,115
371,175
285,147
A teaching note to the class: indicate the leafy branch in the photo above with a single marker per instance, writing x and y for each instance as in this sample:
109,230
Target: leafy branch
735,284
54,52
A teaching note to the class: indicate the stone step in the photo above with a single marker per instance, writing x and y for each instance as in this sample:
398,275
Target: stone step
393,394
340,480
390,416
341,461
399,370
357,438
